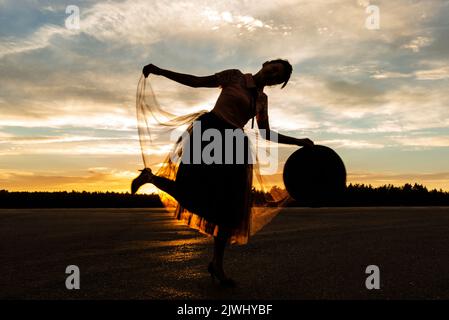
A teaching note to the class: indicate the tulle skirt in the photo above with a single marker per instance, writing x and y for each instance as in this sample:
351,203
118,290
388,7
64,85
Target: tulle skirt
217,194
207,195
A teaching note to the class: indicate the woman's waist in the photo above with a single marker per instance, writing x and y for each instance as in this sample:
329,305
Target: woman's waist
215,119
228,121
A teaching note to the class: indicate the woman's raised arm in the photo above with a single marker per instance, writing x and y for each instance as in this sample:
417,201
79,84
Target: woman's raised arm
185,79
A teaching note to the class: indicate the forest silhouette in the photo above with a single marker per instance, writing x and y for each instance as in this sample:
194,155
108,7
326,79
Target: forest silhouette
356,195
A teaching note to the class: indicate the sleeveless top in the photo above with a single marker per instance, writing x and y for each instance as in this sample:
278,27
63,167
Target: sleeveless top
239,100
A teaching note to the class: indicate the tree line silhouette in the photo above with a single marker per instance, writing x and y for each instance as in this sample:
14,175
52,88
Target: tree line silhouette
361,195
74,199
356,195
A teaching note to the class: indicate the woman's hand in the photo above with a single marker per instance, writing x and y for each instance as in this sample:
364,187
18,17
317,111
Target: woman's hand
150,68
305,142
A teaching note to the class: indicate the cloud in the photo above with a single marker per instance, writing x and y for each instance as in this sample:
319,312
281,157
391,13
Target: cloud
78,145
40,39
426,142
439,73
416,44
352,144
390,75
433,74
353,88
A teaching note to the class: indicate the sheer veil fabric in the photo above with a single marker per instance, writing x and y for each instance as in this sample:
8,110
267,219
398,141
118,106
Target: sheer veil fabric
157,125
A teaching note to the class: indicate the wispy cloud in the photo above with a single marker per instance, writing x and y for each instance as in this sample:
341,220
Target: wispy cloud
355,89
433,74
418,43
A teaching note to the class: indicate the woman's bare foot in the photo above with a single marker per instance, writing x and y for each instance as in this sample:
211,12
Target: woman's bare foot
146,176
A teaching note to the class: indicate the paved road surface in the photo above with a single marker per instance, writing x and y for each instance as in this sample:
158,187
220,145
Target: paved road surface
303,254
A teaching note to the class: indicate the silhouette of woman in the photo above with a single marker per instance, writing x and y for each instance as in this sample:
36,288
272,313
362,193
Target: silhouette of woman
219,192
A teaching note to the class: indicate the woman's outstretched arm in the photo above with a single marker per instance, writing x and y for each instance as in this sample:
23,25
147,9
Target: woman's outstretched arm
268,134
185,79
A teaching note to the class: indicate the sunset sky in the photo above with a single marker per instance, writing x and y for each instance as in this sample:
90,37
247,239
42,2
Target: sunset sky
380,98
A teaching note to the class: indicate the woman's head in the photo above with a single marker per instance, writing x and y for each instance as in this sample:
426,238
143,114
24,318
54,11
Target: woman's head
276,72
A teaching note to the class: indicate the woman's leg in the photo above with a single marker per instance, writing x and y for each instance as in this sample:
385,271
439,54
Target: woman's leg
165,185
220,242
162,183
